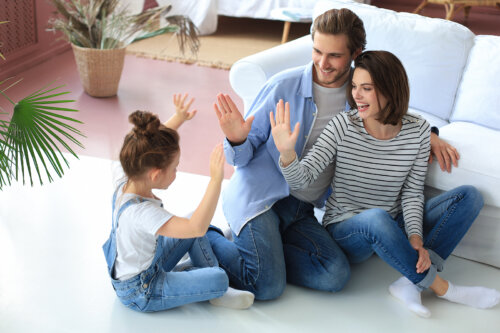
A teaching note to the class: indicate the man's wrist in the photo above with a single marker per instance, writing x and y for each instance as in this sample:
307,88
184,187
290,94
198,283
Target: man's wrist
235,143
435,130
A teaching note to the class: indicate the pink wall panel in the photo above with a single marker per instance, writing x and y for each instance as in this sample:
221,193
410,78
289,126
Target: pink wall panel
24,40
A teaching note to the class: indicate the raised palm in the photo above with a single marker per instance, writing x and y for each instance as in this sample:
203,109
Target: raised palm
284,138
231,121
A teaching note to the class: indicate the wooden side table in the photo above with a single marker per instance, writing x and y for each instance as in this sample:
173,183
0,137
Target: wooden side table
451,6
289,15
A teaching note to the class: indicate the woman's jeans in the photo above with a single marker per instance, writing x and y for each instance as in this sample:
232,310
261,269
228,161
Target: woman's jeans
447,217
285,243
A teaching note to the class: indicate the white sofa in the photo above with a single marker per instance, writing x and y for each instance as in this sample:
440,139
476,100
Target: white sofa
454,81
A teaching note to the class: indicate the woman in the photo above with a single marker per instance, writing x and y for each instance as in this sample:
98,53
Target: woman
380,154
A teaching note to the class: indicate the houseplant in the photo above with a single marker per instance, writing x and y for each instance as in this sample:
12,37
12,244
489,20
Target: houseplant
30,141
99,31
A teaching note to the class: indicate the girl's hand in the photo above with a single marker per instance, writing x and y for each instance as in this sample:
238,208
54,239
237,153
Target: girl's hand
284,138
424,261
181,109
217,163
231,121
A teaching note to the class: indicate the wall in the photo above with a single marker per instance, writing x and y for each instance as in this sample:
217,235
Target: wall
26,42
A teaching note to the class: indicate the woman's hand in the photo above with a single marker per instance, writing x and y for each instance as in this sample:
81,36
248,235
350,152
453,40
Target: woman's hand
217,163
445,154
424,260
231,121
284,138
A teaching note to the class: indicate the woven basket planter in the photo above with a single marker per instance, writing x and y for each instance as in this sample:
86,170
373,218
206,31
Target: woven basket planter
100,70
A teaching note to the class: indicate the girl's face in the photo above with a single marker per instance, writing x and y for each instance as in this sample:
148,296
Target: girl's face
369,103
167,175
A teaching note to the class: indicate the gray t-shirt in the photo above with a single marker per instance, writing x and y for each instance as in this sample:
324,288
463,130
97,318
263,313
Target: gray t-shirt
329,102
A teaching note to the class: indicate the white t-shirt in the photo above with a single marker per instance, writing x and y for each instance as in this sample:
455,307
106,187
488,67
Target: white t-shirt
136,234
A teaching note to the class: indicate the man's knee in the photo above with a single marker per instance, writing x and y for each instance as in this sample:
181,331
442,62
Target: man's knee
335,276
266,289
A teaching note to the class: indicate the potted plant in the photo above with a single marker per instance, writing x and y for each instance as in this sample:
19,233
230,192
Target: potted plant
99,31
31,139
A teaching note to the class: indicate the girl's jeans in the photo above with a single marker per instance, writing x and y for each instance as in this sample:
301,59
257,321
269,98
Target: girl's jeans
159,287
447,217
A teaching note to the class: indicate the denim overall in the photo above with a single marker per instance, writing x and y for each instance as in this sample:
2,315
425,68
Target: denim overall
158,287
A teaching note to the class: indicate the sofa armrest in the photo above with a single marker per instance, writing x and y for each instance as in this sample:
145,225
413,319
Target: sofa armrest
248,75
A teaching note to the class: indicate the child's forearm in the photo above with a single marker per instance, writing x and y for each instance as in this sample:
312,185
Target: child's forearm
202,216
174,122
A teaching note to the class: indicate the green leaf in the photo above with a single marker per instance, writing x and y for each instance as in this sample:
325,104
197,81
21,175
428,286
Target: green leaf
30,143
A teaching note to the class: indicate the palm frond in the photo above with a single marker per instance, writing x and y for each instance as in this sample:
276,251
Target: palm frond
31,141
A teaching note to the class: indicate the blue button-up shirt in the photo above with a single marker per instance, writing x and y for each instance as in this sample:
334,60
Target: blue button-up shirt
257,182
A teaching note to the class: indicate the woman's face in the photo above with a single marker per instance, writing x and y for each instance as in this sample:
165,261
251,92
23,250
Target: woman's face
368,102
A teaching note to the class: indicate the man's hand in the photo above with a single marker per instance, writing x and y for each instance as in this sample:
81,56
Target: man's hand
284,138
445,153
231,121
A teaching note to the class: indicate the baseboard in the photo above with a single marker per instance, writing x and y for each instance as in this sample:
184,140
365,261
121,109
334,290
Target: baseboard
19,65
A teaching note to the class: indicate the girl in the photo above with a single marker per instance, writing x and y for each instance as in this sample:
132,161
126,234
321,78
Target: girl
380,154
146,241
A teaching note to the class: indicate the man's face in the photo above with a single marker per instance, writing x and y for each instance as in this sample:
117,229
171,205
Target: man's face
332,59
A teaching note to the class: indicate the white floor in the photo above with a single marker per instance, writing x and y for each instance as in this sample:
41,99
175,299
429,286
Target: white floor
53,274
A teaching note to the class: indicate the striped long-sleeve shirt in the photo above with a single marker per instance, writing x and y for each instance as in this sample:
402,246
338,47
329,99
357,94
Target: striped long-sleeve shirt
369,173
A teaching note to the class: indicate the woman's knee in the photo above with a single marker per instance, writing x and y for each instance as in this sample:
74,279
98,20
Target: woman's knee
472,197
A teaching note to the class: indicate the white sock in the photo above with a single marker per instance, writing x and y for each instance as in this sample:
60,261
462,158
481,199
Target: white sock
404,290
234,299
478,297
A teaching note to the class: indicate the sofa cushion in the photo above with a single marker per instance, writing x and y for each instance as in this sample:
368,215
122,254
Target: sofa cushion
478,98
478,164
433,51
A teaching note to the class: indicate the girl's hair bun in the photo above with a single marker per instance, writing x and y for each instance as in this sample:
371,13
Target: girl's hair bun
145,123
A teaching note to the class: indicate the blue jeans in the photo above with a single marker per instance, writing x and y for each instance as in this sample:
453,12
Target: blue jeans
447,217
160,288
283,244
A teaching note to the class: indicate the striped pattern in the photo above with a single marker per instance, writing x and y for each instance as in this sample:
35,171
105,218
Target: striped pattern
370,173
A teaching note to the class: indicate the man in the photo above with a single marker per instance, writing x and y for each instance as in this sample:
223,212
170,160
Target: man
276,236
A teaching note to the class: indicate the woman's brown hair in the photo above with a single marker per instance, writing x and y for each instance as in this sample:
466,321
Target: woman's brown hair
148,145
389,79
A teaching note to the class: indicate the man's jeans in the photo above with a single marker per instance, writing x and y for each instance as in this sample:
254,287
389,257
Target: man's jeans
447,217
285,243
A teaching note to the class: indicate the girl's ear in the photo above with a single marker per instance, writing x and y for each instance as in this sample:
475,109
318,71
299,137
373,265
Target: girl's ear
153,174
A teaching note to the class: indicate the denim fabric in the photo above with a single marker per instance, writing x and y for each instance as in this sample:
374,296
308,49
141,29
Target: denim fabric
158,287
447,217
285,243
